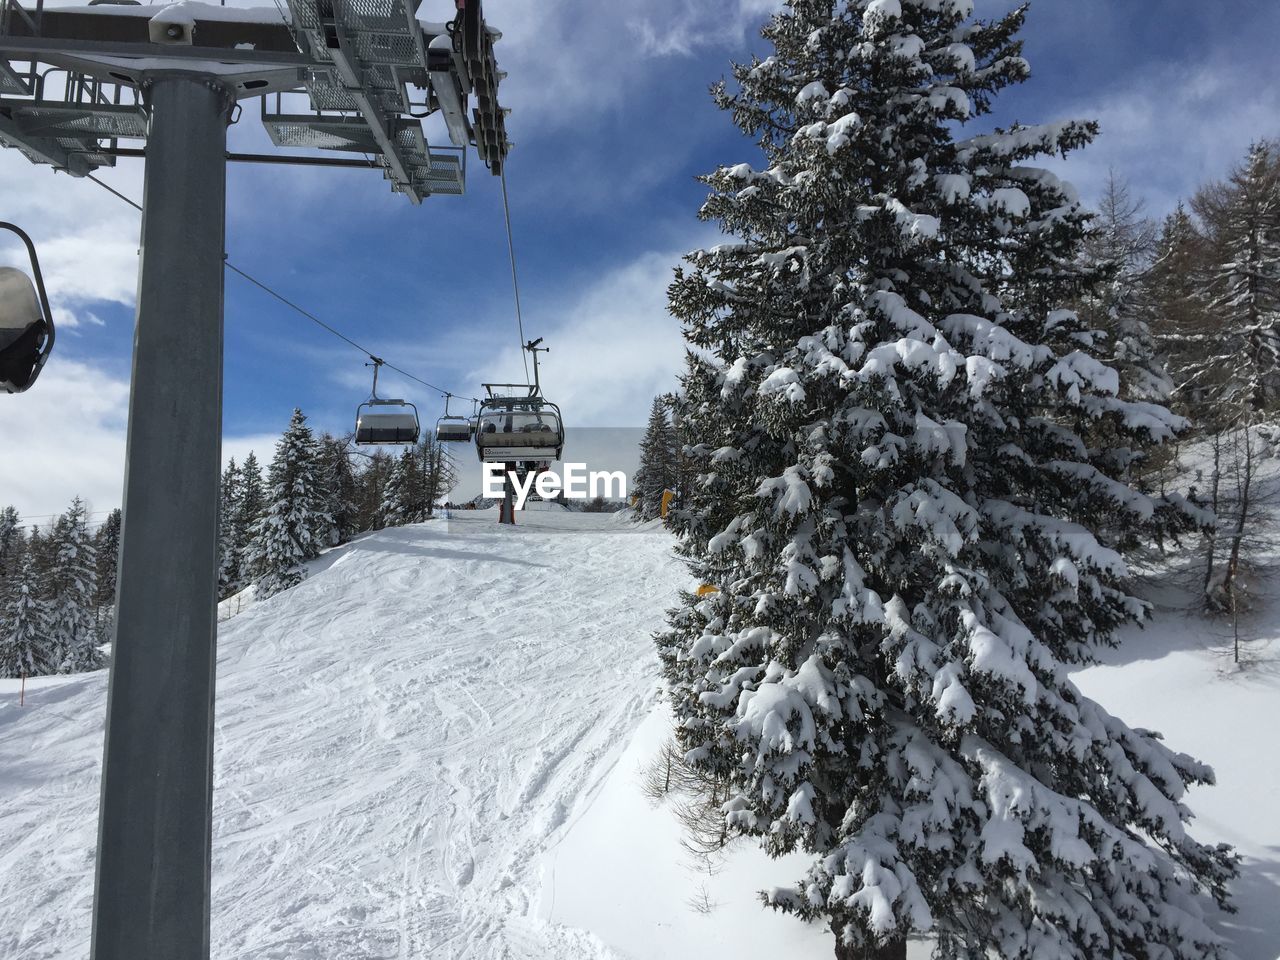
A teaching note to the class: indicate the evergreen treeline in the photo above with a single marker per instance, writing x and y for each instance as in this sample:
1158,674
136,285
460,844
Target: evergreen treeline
57,589
57,584
317,494
663,465
1189,309
1210,287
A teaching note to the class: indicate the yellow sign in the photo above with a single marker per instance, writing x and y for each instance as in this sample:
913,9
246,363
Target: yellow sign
667,497
706,589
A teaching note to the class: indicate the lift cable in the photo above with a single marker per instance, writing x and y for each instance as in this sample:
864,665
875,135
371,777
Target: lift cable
515,283
293,306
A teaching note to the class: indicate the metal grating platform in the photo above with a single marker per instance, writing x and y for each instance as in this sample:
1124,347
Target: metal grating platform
327,94
445,173
11,83
325,133
82,120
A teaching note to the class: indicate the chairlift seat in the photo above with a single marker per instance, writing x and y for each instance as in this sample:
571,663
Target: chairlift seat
517,424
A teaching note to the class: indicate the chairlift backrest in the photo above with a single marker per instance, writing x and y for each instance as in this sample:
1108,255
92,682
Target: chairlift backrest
386,422
19,303
26,322
453,430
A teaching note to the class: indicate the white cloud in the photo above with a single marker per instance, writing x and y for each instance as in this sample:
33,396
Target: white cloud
572,60
689,28
63,438
613,347
86,239
1174,128
262,445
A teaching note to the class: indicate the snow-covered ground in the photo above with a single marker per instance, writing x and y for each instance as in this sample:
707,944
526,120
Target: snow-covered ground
433,748
397,739
1175,676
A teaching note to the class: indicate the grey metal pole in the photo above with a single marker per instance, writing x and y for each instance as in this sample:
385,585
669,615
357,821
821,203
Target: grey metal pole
507,507
151,895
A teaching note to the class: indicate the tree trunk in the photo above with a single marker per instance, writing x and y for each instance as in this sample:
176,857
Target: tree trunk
1212,535
1233,561
897,950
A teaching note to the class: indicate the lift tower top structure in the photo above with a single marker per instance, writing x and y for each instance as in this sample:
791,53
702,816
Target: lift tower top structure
353,77
73,81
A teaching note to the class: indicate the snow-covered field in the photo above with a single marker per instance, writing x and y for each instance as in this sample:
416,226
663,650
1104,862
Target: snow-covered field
432,748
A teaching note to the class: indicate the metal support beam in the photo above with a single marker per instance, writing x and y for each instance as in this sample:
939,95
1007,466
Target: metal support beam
151,897
282,159
507,505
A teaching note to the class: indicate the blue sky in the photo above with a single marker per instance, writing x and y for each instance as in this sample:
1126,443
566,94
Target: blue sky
611,122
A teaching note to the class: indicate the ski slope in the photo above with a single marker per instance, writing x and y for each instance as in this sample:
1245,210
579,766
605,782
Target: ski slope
397,739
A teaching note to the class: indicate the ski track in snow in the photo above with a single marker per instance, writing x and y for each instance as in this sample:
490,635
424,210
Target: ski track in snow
398,739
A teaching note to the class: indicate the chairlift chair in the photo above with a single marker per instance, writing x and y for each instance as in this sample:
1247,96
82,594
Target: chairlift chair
516,423
26,322
511,428
453,428
381,421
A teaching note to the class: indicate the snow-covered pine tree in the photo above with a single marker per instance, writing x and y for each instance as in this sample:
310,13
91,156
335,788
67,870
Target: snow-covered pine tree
1237,367
253,496
371,484
41,548
1120,246
12,548
340,488
73,634
11,541
657,472
404,498
106,544
293,523
911,542
1172,285
229,554
24,625
439,475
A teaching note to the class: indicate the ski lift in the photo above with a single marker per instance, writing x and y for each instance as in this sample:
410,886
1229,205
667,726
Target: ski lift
453,429
516,424
26,322
385,421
